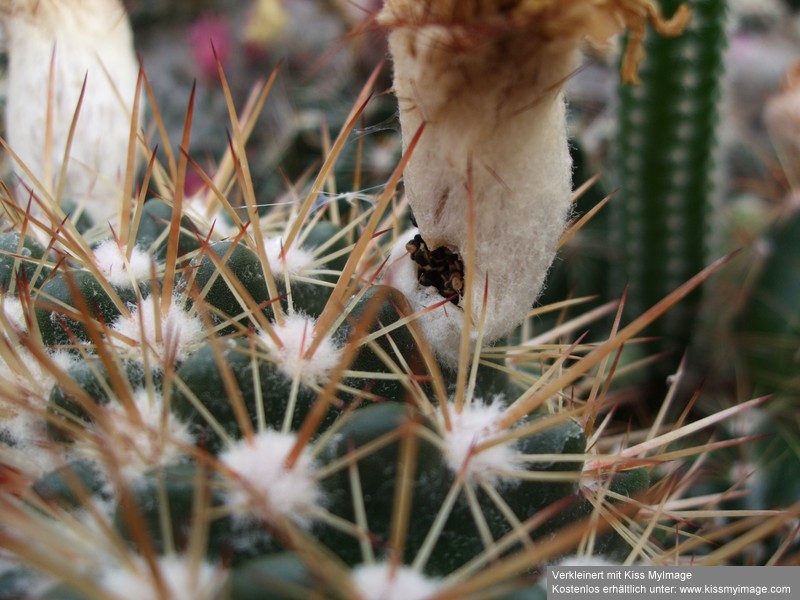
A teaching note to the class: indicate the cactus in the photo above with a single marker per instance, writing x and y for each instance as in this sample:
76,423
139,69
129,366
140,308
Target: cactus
665,167
764,331
261,413
78,105
765,336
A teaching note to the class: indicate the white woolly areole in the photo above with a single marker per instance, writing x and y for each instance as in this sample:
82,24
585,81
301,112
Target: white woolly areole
12,308
260,463
385,582
179,331
154,440
495,134
110,259
293,261
183,578
475,424
296,334
30,384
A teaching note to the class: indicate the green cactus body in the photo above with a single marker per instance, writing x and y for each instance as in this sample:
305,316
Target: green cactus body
767,335
392,307
665,164
377,474
178,485
243,264
93,379
56,300
21,260
309,290
15,583
279,576
260,383
491,381
68,484
321,233
629,484
80,218
64,592
153,226
459,540
308,297
768,326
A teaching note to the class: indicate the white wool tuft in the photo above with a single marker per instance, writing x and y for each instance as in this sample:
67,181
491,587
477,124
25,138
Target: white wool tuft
297,333
475,424
384,582
294,261
260,463
182,578
154,442
12,308
179,331
110,259
29,385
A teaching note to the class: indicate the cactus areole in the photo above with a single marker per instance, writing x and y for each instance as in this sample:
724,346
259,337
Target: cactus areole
485,79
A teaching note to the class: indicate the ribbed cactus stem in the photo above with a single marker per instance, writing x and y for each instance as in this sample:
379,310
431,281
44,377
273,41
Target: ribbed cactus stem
666,143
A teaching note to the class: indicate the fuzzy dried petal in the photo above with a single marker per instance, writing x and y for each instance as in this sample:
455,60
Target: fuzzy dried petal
551,20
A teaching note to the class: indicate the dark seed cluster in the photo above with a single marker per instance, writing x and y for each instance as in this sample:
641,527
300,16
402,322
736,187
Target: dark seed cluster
441,268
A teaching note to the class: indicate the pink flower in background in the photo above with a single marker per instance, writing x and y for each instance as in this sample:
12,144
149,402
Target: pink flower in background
207,34
194,183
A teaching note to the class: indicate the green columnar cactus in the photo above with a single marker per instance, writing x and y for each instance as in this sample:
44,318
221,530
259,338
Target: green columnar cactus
665,166
253,413
767,336
767,324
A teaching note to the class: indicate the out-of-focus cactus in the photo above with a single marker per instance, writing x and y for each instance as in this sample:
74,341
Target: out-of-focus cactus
767,337
70,64
766,326
665,168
